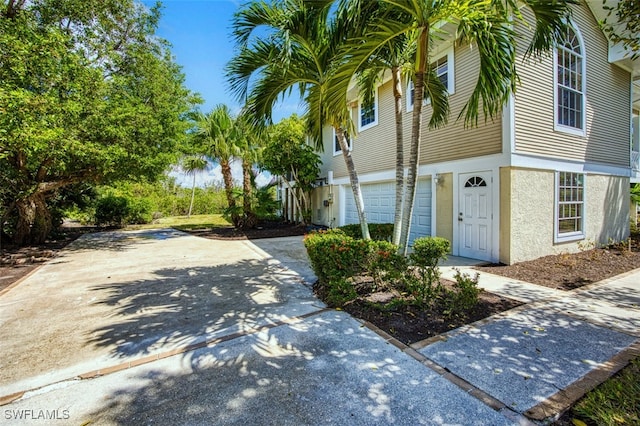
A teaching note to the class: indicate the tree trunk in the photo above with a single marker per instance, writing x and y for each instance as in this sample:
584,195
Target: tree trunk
228,189
355,183
397,93
34,220
249,219
416,128
193,195
296,199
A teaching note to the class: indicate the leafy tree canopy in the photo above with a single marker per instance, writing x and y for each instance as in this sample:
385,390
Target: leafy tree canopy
287,154
623,24
88,94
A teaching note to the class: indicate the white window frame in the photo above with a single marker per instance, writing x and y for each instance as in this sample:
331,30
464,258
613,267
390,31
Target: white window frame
575,235
449,53
557,126
375,113
336,145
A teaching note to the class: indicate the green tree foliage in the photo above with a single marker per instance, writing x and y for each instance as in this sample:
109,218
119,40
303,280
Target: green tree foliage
623,24
287,154
295,44
88,94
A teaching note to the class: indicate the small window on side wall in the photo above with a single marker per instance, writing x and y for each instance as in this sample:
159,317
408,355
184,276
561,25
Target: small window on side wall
570,206
336,144
368,113
444,67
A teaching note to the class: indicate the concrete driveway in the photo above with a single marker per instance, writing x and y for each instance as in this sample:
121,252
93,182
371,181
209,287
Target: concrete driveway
163,327
115,297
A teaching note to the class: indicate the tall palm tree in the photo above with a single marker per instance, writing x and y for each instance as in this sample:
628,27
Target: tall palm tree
489,25
248,136
192,165
215,133
301,48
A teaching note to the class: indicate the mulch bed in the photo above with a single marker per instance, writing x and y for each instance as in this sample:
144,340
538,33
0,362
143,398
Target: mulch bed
263,230
570,271
410,324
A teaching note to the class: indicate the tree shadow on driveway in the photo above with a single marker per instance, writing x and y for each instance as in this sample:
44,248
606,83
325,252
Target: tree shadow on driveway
184,306
326,369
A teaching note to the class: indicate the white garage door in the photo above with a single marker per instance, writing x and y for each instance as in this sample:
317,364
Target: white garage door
379,204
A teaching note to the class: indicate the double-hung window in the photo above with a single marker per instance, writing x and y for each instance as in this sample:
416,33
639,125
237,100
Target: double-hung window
368,113
570,84
443,67
570,207
336,144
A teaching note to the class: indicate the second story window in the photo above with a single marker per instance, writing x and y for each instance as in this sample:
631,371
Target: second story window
336,145
443,67
570,84
368,113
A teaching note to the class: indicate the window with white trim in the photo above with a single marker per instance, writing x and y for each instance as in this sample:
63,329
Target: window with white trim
570,86
368,113
443,66
570,207
336,145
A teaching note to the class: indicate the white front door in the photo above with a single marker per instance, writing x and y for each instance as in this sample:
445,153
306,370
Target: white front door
475,215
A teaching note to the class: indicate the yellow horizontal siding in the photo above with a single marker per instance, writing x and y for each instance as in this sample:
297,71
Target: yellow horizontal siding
454,141
607,104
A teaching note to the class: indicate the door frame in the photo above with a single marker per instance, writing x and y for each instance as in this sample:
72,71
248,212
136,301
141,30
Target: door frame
493,237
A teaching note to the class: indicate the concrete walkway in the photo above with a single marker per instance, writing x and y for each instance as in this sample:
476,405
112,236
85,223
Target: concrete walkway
163,327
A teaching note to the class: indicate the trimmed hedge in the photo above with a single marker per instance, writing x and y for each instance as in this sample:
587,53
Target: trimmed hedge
378,231
336,257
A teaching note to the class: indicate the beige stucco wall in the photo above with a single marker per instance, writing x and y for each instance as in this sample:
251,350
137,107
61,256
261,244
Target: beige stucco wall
321,214
505,215
444,207
527,213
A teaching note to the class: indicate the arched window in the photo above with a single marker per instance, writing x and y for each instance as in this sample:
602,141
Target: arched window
474,182
570,83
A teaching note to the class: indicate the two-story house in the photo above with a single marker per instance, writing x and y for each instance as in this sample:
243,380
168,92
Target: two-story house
551,175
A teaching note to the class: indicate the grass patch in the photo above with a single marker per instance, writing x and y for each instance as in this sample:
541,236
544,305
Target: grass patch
184,223
614,402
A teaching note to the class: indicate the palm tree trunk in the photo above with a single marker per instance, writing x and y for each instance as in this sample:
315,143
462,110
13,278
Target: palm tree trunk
397,93
193,195
228,189
416,128
355,183
249,219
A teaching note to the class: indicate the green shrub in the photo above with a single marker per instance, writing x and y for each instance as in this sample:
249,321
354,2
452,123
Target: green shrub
111,210
339,292
377,231
139,212
385,264
336,257
427,253
118,210
464,295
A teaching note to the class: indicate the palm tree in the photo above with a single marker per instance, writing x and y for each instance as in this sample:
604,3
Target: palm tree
248,137
192,165
489,26
215,133
300,49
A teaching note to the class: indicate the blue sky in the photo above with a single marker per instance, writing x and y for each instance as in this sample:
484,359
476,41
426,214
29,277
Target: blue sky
200,34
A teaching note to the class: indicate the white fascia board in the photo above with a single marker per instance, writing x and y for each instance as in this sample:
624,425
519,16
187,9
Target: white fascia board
548,163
